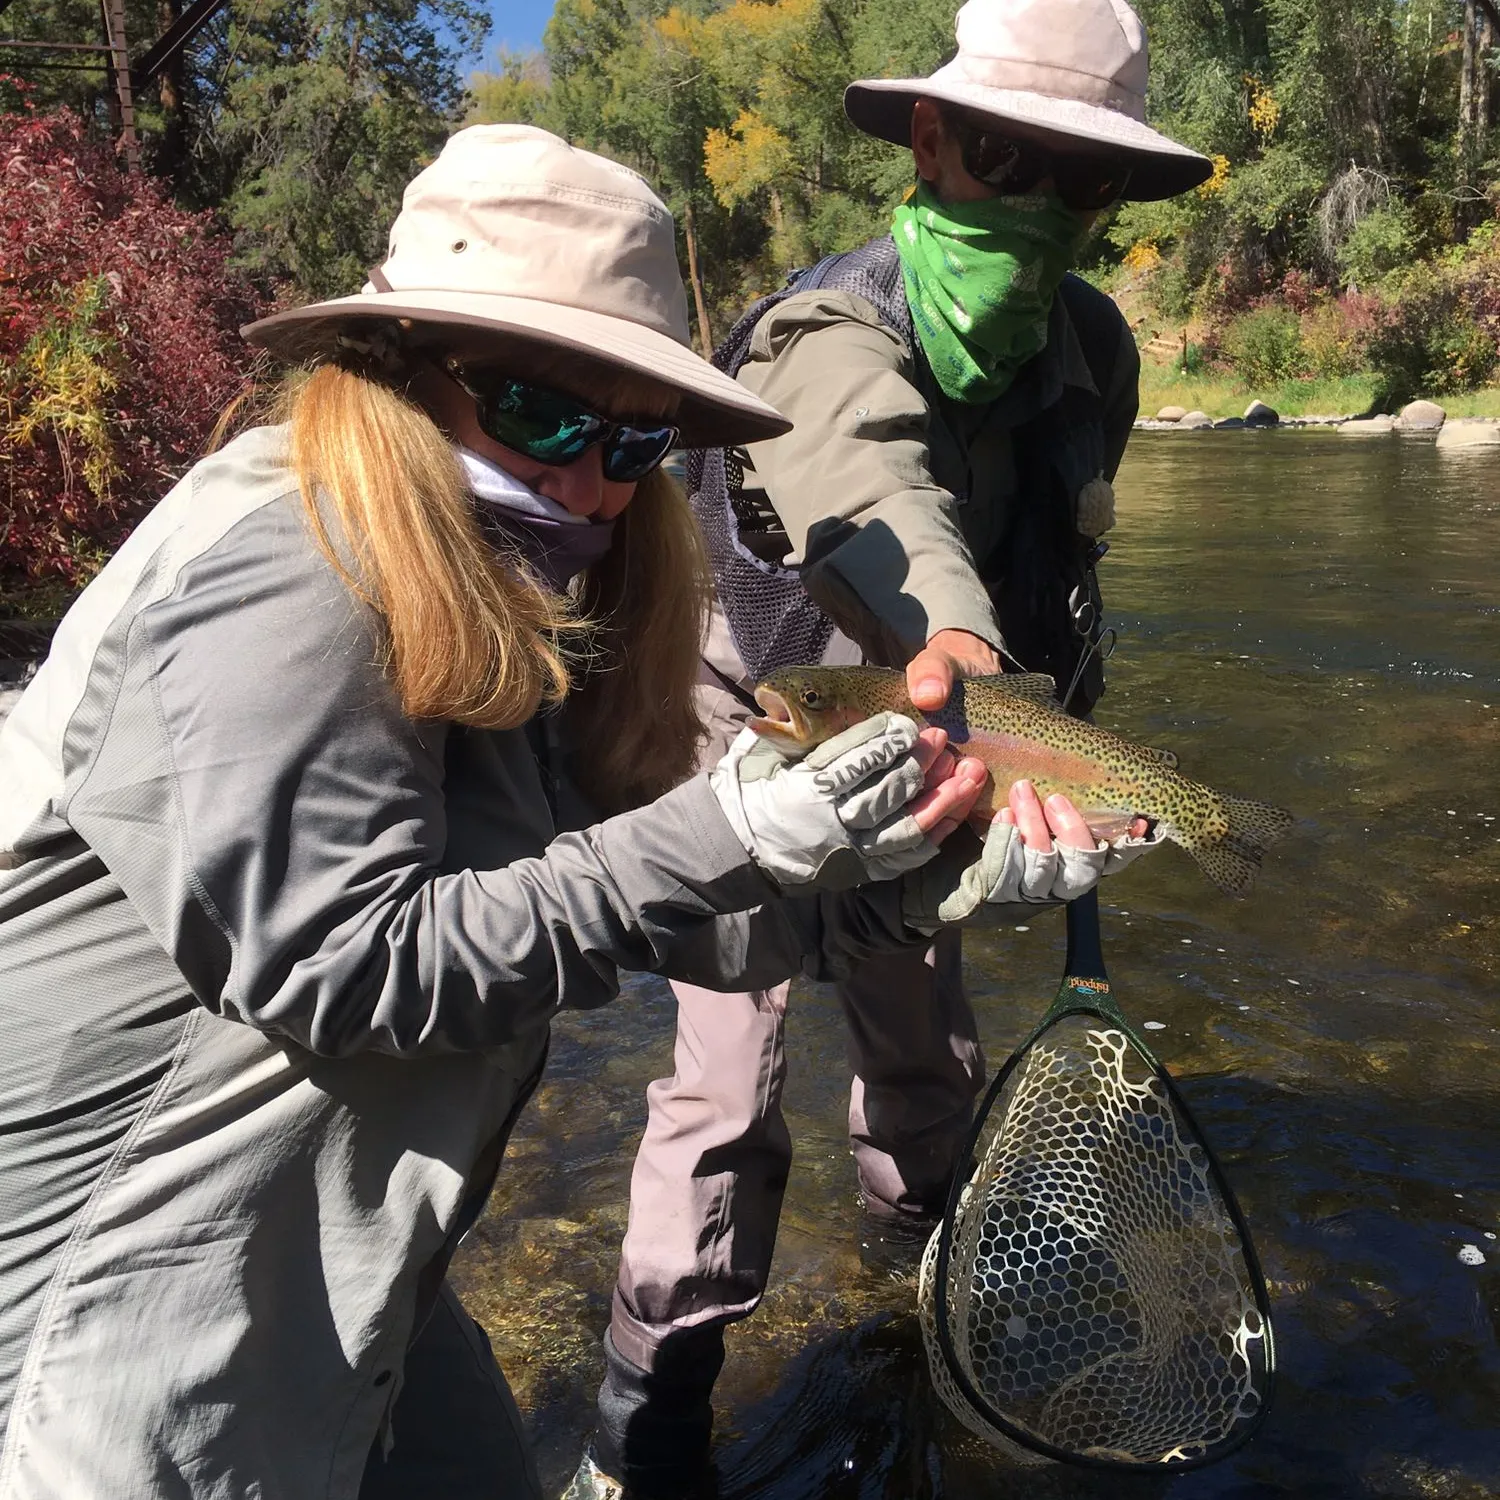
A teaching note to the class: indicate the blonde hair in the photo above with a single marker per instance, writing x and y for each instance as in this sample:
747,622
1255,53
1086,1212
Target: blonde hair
648,598
472,638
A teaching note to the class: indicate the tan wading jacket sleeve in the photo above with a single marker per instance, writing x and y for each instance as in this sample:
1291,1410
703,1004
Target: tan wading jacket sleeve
877,537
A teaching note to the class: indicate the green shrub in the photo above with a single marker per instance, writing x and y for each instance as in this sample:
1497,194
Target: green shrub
1382,242
1194,360
1335,342
1265,346
1169,291
1439,334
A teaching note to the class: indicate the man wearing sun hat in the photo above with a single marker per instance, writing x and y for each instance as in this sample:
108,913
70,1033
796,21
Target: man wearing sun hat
960,405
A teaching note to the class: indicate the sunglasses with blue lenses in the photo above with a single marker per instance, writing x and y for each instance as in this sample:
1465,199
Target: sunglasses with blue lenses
555,429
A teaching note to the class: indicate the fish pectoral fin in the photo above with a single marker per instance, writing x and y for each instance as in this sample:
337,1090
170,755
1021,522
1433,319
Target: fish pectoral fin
1164,756
1107,823
1037,687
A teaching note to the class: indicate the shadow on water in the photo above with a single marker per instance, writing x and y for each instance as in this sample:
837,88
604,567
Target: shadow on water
1306,618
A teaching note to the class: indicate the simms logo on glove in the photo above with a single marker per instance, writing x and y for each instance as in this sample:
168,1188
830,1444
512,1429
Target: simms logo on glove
849,772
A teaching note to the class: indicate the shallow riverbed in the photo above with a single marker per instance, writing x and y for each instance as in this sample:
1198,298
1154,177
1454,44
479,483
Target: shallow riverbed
1303,617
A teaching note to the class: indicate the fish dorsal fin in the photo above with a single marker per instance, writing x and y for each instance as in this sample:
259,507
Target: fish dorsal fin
1164,756
1036,687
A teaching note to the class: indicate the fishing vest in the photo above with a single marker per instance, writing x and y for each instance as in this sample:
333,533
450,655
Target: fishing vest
1041,578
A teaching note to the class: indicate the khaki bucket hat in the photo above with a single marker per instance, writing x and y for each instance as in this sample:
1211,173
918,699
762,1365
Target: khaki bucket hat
515,234
1069,72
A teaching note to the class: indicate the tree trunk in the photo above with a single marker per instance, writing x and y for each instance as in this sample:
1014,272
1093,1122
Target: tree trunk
169,83
1466,90
1465,144
690,234
1484,82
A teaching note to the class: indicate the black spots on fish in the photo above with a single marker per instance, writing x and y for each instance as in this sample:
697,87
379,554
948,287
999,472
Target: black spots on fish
1232,858
1164,756
1036,687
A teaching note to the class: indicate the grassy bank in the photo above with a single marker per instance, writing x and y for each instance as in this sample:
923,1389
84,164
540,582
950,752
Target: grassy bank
1224,396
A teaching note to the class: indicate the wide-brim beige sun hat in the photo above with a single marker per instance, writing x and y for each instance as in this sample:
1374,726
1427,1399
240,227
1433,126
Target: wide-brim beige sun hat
515,239
1071,73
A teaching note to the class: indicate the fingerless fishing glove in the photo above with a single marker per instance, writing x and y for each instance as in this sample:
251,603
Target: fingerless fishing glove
955,886
835,818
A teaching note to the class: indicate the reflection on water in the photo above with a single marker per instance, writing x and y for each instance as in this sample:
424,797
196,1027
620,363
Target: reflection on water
1310,619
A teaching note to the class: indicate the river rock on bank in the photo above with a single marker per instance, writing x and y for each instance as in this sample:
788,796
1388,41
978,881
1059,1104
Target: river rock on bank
1194,419
1470,432
1369,426
1421,416
1171,414
1258,414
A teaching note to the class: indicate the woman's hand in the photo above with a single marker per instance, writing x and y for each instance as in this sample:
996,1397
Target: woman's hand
869,804
1034,854
950,788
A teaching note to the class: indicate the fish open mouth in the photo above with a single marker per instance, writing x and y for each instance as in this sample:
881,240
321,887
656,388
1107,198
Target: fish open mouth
779,721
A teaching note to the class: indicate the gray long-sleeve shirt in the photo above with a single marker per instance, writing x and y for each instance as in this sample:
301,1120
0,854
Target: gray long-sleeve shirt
276,970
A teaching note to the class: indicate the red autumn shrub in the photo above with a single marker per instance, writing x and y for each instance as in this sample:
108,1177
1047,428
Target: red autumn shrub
119,345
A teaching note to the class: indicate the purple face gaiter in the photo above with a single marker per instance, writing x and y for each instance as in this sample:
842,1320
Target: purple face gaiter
555,544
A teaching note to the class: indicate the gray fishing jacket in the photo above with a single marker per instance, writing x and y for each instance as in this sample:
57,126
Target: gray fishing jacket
276,970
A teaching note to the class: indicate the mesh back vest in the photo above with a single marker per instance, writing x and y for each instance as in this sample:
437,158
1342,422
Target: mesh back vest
1044,568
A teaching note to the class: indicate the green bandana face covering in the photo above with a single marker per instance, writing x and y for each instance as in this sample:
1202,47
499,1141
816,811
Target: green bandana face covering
980,278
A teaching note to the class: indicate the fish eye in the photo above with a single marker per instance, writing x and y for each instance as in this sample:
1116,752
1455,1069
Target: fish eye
809,697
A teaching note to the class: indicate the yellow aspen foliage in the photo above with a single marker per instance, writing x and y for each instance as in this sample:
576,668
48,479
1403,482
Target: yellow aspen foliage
1264,111
766,20
1215,184
678,29
751,154
1142,256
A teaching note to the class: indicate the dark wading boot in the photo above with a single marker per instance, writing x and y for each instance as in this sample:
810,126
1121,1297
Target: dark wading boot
655,1426
892,1246
592,1483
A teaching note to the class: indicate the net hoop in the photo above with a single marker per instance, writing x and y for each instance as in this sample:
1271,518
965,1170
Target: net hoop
1087,998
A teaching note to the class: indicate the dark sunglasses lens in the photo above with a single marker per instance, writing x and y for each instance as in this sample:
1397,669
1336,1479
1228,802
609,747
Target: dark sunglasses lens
541,424
992,159
633,452
1087,185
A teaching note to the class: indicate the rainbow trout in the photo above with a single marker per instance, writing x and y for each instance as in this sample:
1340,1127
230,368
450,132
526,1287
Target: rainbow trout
1016,727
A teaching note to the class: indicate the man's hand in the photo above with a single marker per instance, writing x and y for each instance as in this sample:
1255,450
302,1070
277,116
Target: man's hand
950,654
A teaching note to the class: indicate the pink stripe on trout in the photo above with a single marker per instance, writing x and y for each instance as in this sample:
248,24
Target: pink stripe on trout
1015,726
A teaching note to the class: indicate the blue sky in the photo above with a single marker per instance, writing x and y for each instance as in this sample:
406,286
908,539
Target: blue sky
518,24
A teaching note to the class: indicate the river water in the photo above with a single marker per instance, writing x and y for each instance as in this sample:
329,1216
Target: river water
1303,617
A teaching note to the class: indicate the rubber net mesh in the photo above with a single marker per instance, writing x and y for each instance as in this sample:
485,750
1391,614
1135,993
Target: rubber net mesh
1097,1293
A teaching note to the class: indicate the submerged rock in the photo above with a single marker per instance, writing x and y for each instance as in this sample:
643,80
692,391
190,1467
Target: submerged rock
1231,422
1369,426
1470,432
1258,414
1421,416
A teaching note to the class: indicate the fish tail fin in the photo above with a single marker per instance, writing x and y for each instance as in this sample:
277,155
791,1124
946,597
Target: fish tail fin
1231,858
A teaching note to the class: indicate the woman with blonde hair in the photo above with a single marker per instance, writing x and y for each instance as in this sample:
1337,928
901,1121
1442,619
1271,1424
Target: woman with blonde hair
285,900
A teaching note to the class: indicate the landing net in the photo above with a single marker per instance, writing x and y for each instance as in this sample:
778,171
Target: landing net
1094,1300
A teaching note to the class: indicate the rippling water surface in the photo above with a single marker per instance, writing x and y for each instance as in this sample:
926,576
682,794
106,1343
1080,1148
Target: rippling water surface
1307,618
